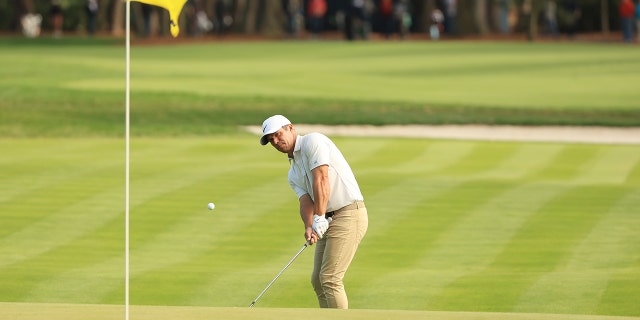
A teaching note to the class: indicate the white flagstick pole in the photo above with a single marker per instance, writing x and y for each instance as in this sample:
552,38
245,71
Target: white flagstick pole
127,153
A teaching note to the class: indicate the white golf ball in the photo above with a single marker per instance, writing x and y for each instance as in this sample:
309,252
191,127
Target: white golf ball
211,206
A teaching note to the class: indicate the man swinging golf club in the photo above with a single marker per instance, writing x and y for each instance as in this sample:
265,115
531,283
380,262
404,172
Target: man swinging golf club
326,188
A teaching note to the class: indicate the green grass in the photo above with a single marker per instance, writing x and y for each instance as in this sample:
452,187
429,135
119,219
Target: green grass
35,311
71,89
458,229
454,225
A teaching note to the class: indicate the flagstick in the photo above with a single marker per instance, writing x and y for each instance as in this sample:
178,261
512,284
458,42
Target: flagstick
127,154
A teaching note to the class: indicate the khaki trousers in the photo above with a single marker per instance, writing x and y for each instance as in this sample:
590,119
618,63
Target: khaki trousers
334,253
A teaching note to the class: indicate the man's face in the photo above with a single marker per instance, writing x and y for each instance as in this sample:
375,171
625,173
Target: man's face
284,139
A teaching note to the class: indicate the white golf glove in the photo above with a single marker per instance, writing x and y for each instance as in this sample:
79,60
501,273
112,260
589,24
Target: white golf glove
320,225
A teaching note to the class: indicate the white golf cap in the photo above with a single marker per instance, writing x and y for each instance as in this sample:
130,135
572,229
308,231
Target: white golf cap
271,125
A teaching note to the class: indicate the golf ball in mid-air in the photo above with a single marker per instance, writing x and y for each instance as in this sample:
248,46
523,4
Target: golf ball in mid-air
211,206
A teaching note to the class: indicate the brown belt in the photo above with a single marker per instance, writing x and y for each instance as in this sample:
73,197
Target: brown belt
353,206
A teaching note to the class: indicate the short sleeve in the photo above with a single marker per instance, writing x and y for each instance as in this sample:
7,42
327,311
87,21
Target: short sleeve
317,150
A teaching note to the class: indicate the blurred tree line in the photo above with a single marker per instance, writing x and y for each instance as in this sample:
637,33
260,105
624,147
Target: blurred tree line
273,17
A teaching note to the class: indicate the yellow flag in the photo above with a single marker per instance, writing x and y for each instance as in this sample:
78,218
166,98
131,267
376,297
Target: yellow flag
173,6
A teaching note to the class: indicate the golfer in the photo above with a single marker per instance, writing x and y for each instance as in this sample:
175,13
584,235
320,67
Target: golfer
326,188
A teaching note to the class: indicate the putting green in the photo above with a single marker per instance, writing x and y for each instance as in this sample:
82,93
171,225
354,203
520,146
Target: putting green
36,311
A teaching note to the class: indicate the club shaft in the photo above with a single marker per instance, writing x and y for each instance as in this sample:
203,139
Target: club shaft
278,275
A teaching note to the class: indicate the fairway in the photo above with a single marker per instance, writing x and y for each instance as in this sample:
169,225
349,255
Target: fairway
454,225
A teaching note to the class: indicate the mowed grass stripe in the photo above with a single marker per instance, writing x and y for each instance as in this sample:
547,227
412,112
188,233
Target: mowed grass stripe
567,165
244,209
358,152
469,246
75,228
396,215
581,282
82,211
623,283
74,222
393,193
484,157
64,279
622,290
401,241
176,211
96,281
633,176
188,247
465,247
436,154
393,154
172,267
51,193
541,244
261,261
188,228
524,161
425,161
611,165
45,166
73,278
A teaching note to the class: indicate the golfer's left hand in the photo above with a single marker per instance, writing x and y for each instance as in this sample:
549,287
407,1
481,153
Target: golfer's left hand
320,225
310,236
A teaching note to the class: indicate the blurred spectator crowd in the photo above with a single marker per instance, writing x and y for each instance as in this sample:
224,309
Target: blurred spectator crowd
351,19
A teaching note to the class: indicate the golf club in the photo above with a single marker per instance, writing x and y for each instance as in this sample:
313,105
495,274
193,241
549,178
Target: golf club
279,273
